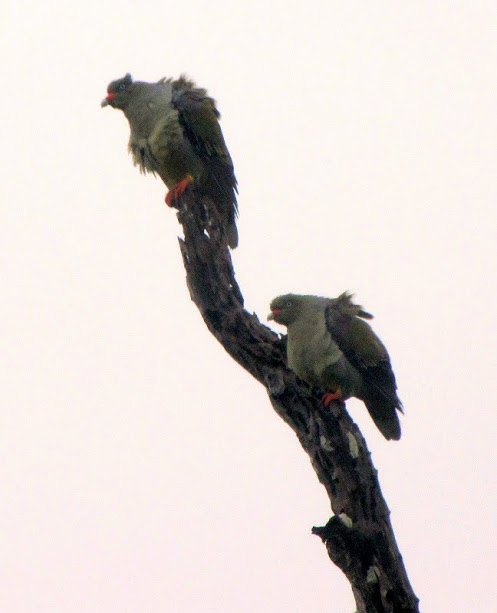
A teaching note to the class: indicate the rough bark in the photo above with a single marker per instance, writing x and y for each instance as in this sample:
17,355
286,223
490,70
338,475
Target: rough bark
359,536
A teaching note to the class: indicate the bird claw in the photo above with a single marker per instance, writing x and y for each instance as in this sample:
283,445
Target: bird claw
177,190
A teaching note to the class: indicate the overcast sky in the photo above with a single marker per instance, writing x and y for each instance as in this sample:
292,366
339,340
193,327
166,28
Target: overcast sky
142,469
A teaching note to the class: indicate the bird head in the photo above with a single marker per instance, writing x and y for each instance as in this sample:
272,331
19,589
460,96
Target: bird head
118,93
287,308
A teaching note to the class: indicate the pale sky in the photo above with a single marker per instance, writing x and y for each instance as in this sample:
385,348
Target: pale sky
142,470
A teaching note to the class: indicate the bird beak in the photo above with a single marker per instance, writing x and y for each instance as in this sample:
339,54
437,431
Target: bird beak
274,314
108,99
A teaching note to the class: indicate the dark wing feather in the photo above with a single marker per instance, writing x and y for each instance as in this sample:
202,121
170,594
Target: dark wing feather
369,356
199,119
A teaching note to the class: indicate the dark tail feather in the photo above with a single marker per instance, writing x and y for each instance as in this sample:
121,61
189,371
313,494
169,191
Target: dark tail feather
386,419
220,186
232,234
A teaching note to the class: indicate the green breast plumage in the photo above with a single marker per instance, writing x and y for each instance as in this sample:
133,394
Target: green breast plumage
310,348
157,142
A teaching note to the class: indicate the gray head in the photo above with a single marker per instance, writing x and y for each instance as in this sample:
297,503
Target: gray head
119,93
289,308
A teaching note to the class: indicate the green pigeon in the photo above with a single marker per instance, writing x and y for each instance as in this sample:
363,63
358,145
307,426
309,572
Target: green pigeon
330,346
175,133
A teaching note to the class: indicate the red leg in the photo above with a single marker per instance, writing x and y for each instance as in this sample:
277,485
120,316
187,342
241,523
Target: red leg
178,189
328,398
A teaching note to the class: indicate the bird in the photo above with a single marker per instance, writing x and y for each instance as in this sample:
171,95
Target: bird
175,133
331,347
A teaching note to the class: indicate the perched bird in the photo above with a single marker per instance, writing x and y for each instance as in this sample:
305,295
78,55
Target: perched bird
330,346
175,133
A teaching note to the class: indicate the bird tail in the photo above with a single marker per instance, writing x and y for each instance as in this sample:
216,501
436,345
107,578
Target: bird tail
385,417
232,234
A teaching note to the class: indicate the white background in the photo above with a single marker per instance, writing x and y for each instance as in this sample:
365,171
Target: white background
142,470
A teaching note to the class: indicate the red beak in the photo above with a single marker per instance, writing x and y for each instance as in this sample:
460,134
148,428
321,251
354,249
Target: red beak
109,98
274,314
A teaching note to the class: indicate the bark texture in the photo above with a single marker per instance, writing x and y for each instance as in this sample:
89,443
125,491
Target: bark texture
359,536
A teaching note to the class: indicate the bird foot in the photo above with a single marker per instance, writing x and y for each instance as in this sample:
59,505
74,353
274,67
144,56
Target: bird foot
177,190
328,398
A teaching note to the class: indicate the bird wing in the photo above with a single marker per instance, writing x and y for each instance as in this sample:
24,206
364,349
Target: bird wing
199,119
364,350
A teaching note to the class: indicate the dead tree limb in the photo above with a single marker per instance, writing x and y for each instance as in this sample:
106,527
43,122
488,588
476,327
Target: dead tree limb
359,536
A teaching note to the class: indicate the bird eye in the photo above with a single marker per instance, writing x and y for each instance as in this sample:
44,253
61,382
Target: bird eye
122,86
289,303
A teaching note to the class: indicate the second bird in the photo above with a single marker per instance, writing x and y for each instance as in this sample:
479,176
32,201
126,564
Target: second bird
330,346
175,133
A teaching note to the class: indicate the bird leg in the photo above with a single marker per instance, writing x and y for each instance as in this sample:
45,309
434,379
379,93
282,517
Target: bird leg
328,398
178,189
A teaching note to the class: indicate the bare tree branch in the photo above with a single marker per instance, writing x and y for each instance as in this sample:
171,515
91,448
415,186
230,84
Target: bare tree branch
359,537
